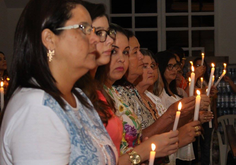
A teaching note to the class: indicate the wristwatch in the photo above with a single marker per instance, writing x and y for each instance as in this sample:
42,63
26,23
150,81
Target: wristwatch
134,157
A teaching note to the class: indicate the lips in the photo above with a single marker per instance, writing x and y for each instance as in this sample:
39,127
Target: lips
108,52
120,69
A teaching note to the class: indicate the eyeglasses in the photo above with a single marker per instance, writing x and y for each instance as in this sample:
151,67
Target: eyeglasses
102,34
85,27
171,66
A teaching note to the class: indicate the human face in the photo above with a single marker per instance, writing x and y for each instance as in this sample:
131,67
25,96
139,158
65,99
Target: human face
103,48
119,59
75,51
170,74
3,62
179,77
135,58
148,72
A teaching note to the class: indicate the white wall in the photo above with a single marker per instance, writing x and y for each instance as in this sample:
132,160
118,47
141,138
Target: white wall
226,32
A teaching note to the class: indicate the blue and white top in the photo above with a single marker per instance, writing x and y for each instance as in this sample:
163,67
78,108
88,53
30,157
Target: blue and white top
36,130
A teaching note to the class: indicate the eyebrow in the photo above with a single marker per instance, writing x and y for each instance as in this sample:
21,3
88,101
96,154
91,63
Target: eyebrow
101,28
127,47
115,46
135,48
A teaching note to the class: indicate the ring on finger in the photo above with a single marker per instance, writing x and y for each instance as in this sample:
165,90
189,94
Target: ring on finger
205,117
196,128
198,133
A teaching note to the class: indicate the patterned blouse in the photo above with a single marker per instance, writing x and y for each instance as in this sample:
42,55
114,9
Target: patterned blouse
132,131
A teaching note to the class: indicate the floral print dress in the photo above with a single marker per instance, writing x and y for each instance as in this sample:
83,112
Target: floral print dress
132,130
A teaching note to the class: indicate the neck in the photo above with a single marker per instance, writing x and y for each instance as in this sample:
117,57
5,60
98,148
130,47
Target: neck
131,78
93,72
141,88
109,83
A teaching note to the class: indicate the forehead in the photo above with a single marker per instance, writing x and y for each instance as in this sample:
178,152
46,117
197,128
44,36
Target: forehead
79,14
101,22
147,59
198,62
121,40
133,43
172,61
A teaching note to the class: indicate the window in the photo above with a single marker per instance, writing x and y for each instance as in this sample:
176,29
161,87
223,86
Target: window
161,24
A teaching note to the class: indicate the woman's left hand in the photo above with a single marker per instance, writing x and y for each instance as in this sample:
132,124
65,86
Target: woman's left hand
205,102
205,116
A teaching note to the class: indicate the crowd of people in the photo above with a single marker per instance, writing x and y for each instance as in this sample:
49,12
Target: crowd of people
82,91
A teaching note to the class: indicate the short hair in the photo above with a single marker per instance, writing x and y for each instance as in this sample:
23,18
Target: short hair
129,33
2,53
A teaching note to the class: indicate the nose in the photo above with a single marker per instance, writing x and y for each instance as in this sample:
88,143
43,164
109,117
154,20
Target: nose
140,55
121,59
109,40
93,38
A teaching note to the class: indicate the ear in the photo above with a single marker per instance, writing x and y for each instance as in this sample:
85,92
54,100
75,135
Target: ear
48,38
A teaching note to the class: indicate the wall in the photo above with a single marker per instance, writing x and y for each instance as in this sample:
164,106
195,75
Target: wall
226,32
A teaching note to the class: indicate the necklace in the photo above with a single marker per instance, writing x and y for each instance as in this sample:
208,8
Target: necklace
150,107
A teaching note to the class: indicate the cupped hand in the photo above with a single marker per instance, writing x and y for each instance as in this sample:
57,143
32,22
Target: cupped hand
205,102
188,132
205,116
166,143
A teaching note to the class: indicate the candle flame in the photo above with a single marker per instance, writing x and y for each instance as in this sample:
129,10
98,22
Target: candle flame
191,63
201,79
225,65
198,92
2,83
8,79
202,54
179,106
224,71
153,146
213,78
189,79
192,69
213,65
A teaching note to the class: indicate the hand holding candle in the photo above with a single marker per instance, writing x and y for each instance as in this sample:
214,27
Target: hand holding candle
177,116
197,105
152,154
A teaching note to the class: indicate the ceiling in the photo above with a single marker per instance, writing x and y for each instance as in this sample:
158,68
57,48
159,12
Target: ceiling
15,3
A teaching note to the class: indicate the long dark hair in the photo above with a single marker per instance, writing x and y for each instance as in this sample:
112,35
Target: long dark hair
30,54
205,76
163,58
102,71
86,82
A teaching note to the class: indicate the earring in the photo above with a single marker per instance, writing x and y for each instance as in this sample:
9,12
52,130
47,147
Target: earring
50,55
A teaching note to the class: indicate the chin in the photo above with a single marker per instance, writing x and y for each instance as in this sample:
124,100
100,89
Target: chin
103,61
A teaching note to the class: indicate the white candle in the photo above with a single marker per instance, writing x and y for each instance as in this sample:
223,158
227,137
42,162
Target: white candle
210,80
152,154
201,82
177,116
2,95
197,106
222,75
213,80
202,59
191,88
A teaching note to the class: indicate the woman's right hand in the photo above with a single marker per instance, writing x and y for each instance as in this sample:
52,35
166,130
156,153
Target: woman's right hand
166,143
188,132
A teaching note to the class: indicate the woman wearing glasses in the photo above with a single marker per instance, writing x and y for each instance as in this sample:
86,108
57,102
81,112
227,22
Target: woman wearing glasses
94,90
47,120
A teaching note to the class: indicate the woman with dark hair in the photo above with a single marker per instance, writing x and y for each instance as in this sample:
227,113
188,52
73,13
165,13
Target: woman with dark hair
197,63
47,120
137,152
93,90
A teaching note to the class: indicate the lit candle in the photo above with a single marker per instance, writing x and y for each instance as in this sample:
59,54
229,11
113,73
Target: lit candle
197,106
202,59
191,64
213,80
2,95
222,75
210,80
224,66
201,82
177,116
191,88
152,154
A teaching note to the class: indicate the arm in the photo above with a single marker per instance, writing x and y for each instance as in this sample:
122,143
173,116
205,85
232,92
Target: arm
231,83
167,143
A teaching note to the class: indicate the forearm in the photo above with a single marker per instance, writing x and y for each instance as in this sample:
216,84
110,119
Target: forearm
161,125
233,86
